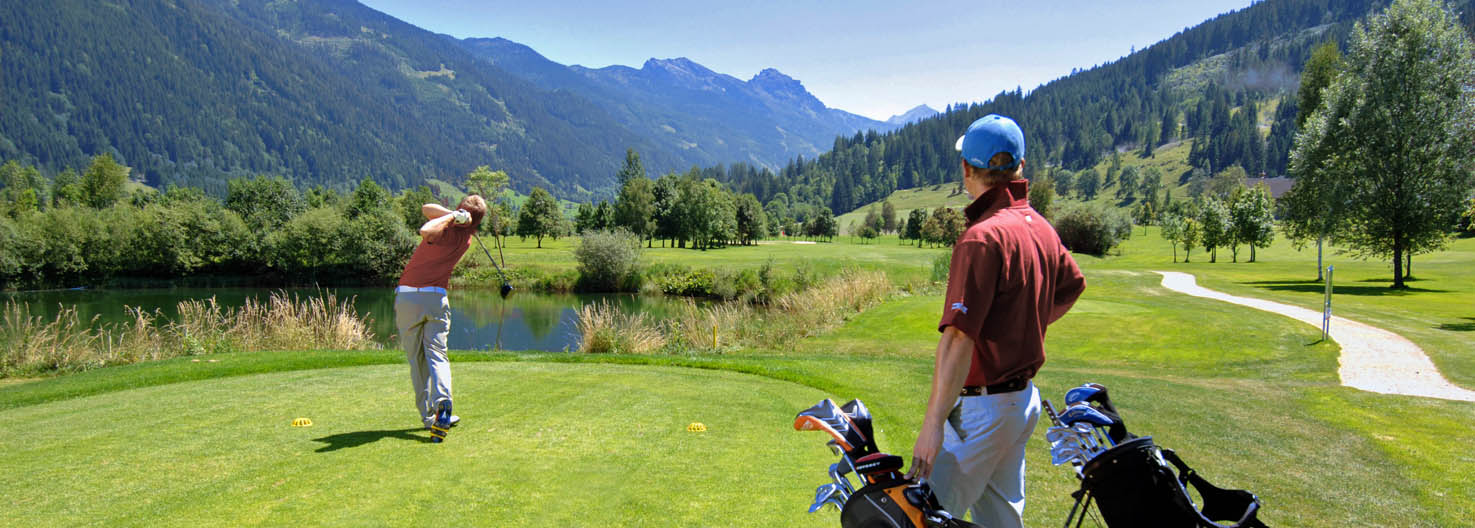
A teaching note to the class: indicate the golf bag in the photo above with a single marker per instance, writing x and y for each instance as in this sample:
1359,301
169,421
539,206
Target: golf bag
886,498
1134,484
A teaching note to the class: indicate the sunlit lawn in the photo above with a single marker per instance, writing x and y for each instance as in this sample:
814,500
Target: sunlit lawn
1249,398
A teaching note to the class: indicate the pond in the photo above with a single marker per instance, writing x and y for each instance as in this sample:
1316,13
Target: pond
480,319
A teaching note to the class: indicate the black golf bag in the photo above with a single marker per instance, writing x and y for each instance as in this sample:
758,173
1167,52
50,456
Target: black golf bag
1134,484
897,503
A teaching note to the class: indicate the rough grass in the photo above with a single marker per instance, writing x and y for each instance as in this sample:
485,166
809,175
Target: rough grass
33,345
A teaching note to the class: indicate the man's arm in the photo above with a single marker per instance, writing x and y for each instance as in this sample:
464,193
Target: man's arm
950,370
439,217
1069,284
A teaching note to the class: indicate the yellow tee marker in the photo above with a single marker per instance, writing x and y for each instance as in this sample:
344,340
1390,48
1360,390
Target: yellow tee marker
696,427
302,422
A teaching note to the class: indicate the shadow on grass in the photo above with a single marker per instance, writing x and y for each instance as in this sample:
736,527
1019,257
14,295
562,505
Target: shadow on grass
358,438
1468,326
1314,286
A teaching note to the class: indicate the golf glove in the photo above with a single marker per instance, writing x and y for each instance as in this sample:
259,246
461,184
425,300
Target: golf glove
461,217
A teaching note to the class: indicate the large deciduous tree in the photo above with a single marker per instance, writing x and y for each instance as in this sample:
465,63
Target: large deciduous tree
540,217
1393,139
102,182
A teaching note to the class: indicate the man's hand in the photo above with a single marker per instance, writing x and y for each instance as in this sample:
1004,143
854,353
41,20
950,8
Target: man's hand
924,453
461,217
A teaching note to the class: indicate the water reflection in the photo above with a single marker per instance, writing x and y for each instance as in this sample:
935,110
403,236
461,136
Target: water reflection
480,320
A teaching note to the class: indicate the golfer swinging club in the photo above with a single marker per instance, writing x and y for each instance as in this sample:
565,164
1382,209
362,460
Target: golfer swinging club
423,314
1010,278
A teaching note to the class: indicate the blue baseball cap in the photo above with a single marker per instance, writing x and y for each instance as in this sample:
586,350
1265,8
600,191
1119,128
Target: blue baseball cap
990,135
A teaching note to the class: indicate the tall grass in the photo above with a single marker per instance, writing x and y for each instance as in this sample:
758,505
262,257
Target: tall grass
715,327
34,345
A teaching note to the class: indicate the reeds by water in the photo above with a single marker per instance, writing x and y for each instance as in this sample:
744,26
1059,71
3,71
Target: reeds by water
33,345
718,326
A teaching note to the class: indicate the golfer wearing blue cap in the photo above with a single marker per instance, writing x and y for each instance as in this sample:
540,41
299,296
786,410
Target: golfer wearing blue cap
1010,278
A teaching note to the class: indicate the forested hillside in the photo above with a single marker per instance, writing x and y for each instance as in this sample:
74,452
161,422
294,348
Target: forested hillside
321,91
1208,83
708,116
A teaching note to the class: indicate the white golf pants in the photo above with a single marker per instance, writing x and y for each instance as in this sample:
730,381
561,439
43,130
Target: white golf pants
981,465
424,321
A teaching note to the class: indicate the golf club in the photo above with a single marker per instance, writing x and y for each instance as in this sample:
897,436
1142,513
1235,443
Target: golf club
825,494
506,285
840,479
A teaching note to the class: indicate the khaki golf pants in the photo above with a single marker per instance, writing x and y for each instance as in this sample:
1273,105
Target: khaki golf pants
981,464
424,320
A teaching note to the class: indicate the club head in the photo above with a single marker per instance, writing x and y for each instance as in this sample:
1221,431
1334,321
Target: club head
824,494
1084,413
834,447
828,417
506,289
1080,394
1065,456
860,416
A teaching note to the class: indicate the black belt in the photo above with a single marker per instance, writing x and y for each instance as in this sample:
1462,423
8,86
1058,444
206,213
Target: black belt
1016,384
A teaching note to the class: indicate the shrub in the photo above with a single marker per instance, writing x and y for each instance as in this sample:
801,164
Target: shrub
1092,229
609,330
608,261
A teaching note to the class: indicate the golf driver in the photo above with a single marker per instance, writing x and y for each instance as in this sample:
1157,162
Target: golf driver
506,285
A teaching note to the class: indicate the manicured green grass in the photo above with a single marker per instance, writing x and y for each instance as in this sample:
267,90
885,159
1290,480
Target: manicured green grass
902,263
540,444
1249,398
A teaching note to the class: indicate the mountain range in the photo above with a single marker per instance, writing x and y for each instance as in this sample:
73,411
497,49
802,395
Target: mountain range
328,92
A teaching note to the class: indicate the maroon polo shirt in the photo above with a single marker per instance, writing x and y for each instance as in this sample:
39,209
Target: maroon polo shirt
1010,278
433,260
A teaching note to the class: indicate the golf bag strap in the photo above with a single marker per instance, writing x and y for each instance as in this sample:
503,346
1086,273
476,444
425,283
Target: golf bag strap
1209,492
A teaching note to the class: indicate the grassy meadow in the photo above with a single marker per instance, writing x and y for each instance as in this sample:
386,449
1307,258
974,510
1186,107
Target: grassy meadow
1249,398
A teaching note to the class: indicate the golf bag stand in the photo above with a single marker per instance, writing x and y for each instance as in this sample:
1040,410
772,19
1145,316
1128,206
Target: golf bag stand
1134,484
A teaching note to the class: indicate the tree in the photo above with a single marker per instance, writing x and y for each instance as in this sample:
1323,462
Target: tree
410,203
487,183
1127,184
540,217
1214,228
631,170
368,198
1225,182
752,222
102,182
1042,196
915,220
1088,182
872,220
1392,142
888,217
1173,227
604,216
1252,218
635,208
1190,237
1320,69
584,218
264,202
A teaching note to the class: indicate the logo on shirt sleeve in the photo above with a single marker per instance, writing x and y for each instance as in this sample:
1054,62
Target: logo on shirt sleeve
959,307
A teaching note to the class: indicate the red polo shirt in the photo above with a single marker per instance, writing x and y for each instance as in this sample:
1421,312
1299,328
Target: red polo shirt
1010,278
433,260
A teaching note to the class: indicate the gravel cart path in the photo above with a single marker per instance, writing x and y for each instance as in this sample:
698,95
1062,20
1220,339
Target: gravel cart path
1372,359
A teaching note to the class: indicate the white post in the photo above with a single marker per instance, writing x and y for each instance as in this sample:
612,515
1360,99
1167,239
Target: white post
1326,310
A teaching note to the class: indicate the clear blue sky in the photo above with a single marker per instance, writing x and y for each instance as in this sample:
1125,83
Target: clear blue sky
871,57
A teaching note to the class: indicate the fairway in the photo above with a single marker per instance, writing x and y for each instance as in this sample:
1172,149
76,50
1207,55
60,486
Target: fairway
540,444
